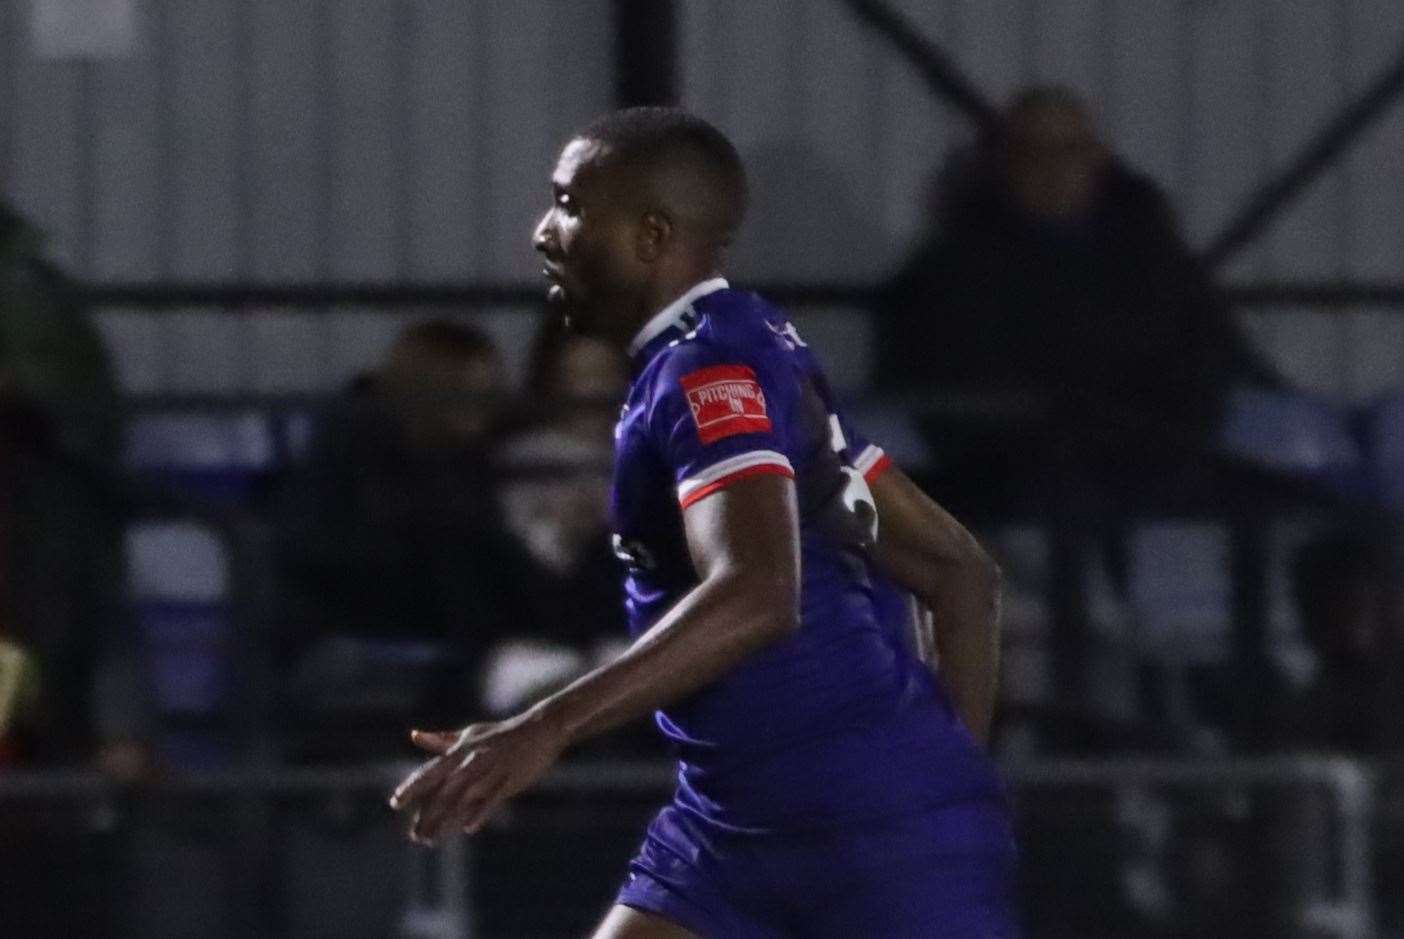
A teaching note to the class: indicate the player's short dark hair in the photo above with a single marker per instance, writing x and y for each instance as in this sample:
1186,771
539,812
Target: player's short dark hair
649,136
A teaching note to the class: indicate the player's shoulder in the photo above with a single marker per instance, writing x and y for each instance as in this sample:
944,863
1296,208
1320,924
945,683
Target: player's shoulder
732,327
742,320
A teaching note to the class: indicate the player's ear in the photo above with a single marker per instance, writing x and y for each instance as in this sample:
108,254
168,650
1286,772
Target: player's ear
655,230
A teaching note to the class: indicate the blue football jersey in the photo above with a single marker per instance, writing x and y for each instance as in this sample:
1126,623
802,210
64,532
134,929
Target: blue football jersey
840,722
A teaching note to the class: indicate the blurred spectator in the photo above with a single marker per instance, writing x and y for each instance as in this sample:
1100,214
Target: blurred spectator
71,688
398,571
575,383
60,529
1054,278
1350,590
555,472
1056,272
555,495
445,385
434,557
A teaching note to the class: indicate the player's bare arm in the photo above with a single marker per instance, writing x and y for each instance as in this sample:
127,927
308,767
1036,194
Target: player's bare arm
923,548
744,544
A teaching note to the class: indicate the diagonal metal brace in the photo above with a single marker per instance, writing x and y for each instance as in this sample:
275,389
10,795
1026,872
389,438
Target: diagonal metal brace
939,71
1315,158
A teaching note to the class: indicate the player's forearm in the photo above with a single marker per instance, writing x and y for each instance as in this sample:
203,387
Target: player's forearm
965,615
927,551
714,627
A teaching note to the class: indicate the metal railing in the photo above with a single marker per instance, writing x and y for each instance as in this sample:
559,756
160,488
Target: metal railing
441,902
529,297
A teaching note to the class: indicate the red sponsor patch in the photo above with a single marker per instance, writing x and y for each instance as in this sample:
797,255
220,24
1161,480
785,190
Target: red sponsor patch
726,400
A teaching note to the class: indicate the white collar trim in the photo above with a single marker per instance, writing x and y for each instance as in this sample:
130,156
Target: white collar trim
661,320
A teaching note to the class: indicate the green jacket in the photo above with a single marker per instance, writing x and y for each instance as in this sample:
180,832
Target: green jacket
63,527
50,352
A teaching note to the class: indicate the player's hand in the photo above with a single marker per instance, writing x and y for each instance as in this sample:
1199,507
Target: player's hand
477,769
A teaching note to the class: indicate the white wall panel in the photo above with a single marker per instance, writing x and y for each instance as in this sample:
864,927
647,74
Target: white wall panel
1229,146
811,157
748,45
368,129
1311,350
204,352
1068,44
137,345
914,131
1374,189
997,46
287,352
205,232
48,165
447,147
1145,105
1374,353
1375,206
290,113
544,81
124,142
1306,89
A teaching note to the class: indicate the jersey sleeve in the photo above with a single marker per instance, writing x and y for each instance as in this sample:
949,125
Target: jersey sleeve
717,417
866,457
870,460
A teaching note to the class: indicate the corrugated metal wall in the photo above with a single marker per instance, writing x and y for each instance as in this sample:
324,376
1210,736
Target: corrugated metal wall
1208,96
303,139
296,140
280,140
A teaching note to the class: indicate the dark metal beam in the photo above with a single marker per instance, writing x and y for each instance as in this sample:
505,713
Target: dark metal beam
241,297
1316,157
645,52
1335,296
937,68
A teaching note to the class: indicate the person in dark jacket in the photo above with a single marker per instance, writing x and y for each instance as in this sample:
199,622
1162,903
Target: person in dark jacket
60,521
1057,273
72,683
398,573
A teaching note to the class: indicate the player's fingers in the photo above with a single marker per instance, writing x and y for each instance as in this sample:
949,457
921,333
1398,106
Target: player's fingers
474,734
480,813
424,780
441,807
444,806
435,741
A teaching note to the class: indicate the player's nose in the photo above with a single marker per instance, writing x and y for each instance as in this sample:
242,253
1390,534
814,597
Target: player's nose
541,237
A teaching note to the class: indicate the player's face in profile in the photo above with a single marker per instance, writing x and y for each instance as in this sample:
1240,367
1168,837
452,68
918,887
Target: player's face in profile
586,240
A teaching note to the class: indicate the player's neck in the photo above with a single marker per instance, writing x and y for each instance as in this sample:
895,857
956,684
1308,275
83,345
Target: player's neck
663,294
669,289
669,281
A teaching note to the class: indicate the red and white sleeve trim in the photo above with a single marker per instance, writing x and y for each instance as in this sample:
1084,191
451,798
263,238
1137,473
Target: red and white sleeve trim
872,462
733,469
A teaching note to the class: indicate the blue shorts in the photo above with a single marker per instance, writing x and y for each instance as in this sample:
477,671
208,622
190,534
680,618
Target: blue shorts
947,873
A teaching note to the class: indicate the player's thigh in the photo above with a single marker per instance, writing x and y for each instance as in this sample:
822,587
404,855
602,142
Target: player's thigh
625,922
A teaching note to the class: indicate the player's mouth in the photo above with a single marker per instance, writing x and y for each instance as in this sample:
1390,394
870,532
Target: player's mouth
555,279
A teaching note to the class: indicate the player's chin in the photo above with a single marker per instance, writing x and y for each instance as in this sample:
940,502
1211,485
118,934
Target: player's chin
561,301
580,317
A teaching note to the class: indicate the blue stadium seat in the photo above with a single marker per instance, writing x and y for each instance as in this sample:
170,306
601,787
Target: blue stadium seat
224,456
1180,587
178,585
1296,434
1385,434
